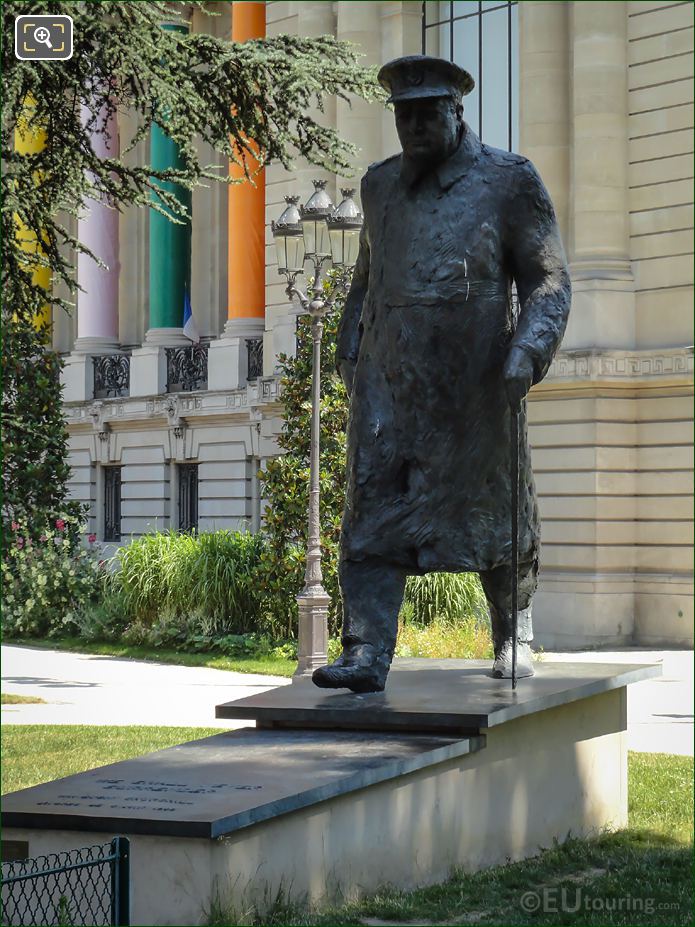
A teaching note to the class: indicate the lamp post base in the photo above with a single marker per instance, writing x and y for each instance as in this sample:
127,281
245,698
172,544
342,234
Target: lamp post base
313,631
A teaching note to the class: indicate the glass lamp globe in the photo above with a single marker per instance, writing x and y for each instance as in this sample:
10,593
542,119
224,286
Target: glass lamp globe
344,230
314,214
289,238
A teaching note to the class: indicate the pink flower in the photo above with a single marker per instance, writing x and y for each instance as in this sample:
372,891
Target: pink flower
20,543
15,526
43,538
91,538
60,524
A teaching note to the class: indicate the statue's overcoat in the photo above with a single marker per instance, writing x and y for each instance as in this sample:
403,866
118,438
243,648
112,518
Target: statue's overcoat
425,332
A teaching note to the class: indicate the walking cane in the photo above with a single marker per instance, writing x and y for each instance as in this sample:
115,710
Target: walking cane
515,534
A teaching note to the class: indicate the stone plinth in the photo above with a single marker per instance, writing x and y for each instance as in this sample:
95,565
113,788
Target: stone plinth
319,815
443,695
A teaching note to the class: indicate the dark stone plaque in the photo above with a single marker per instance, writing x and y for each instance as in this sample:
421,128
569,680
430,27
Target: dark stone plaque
212,787
436,695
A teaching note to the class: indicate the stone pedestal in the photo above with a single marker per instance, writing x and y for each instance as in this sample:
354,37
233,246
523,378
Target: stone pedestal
77,378
280,338
228,356
167,337
148,370
334,795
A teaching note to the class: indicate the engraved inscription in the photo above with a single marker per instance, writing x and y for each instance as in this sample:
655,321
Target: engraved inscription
151,794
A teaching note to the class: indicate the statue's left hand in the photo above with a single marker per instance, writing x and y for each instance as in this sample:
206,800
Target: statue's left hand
518,376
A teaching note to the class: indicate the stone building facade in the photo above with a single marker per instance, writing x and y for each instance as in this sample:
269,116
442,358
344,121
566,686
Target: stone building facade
600,97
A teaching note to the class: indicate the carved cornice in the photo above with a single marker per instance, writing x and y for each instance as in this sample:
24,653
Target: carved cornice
259,398
623,366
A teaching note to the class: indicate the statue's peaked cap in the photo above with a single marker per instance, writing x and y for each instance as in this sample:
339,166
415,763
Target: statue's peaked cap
418,76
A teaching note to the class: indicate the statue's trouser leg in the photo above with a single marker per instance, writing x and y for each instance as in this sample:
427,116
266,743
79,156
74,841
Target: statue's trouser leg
372,593
498,591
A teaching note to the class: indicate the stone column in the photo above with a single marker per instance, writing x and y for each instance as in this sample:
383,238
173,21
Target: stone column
603,313
169,270
228,357
544,98
401,34
133,247
170,244
360,23
97,302
308,19
574,66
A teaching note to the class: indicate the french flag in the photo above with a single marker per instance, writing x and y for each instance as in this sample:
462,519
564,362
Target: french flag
190,329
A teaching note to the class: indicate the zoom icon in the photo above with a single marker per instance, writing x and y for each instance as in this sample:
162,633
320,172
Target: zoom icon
43,38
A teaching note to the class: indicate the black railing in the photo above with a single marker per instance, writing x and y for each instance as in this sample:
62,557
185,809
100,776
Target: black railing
111,375
78,887
187,368
254,353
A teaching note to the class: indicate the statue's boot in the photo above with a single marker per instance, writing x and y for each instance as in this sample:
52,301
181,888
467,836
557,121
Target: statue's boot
502,667
360,667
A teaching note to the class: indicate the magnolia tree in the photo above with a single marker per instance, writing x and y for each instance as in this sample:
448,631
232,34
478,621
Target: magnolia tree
245,100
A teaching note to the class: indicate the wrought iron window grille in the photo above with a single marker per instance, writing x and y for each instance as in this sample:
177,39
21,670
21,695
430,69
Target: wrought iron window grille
112,503
187,368
188,497
86,886
111,375
254,353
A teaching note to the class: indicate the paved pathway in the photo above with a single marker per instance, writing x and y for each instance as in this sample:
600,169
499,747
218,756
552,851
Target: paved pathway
659,711
89,689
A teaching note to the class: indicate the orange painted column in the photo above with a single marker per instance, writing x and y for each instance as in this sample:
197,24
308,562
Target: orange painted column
246,214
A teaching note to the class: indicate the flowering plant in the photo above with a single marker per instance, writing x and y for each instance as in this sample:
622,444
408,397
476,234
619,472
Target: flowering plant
48,576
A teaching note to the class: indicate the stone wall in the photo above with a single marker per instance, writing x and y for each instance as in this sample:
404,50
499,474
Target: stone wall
611,425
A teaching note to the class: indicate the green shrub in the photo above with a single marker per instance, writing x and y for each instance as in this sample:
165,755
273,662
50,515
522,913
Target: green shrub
181,585
49,578
450,597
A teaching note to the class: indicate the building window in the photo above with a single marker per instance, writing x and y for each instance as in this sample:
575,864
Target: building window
112,503
483,38
188,497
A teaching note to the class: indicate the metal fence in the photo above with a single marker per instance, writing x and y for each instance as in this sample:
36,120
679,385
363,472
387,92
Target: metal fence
89,886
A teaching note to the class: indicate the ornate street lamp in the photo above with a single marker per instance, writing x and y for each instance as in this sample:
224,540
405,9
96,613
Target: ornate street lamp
326,234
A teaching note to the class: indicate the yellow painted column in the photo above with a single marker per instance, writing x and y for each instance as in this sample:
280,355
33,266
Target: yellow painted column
30,138
246,206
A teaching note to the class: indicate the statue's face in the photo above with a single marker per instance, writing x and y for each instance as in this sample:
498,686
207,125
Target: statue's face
428,129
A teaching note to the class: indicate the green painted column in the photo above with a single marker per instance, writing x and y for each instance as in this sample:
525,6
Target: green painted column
170,244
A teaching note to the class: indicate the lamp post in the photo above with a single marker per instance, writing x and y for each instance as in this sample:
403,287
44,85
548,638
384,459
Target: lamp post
317,232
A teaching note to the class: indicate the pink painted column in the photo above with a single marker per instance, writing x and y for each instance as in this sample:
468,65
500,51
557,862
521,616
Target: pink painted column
97,306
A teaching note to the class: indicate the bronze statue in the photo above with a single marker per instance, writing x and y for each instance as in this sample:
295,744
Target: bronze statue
435,364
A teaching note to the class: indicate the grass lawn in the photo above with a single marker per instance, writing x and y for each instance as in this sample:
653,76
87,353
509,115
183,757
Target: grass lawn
9,699
266,665
33,753
638,876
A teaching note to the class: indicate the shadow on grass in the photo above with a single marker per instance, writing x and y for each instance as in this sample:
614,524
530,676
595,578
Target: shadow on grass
630,877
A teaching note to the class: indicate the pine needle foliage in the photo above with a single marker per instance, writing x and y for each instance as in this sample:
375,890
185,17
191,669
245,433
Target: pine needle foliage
256,99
